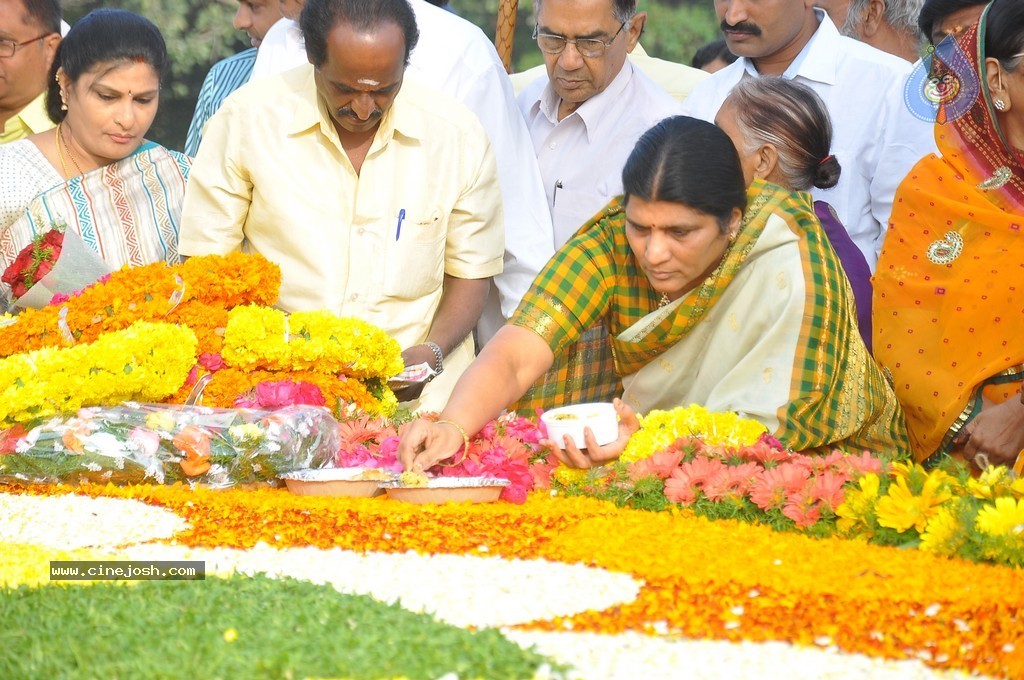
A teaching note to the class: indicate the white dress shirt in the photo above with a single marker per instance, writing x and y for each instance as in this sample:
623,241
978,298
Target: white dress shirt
876,139
282,49
581,156
455,57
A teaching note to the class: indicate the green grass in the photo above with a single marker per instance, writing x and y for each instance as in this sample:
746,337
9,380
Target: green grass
285,629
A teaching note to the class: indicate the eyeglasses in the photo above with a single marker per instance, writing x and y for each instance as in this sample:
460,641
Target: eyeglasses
9,47
587,47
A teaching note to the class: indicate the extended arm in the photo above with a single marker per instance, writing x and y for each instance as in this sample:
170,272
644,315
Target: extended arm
505,369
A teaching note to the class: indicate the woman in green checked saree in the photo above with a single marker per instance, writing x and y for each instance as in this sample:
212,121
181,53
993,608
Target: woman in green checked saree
711,293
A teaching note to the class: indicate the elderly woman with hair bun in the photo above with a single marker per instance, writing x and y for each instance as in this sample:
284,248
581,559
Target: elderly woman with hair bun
784,135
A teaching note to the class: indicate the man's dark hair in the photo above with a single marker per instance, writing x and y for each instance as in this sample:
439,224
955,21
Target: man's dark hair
319,18
105,36
706,54
46,13
687,161
937,10
622,9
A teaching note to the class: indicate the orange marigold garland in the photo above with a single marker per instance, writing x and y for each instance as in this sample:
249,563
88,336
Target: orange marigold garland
147,293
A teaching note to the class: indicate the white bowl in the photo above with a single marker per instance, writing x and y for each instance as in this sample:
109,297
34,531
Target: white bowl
570,420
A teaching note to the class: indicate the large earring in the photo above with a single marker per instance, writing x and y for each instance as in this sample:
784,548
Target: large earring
999,104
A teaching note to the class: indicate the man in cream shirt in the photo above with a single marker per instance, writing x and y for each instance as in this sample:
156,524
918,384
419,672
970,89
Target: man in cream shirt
29,36
378,198
456,58
587,113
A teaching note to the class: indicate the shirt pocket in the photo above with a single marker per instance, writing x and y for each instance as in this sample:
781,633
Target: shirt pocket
415,255
573,208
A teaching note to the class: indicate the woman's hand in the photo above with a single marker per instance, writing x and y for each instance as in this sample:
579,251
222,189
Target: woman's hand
425,443
593,455
997,432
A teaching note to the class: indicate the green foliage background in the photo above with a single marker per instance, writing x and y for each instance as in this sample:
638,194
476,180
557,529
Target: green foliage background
199,33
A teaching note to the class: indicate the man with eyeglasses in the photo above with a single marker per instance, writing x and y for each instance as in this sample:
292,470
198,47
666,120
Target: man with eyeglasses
587,113
29,36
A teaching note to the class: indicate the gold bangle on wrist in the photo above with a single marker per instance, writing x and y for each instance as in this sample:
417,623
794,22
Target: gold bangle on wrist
465,441
1018,465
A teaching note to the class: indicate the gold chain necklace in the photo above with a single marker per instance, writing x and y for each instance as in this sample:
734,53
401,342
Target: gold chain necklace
62,142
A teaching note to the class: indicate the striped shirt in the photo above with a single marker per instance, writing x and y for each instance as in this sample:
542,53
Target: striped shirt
226,76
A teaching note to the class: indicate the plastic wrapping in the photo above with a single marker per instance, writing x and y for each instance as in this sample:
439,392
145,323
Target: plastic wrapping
163,444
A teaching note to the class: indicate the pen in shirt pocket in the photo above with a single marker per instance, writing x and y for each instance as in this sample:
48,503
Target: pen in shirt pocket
554,194
401,218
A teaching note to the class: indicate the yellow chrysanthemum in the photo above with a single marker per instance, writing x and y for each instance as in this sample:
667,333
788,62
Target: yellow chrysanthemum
943,535
660,429
1004,518
901,509
858,505
992,482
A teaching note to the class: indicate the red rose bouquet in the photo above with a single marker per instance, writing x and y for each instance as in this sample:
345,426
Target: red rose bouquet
35,261
56,261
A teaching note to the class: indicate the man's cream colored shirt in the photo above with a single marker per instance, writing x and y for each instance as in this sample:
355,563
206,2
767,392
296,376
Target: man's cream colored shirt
272,177
30,120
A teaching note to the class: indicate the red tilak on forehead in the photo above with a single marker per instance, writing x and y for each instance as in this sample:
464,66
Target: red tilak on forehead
139,60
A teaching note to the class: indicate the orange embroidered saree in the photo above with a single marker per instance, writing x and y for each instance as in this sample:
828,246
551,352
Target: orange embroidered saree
948,309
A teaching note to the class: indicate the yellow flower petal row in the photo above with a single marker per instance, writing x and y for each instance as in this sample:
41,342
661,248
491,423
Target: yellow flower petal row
146,362
23,564
265,338
148,293
660,429
703,579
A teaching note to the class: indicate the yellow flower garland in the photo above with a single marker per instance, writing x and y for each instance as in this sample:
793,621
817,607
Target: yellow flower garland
660,429
145,362
265,338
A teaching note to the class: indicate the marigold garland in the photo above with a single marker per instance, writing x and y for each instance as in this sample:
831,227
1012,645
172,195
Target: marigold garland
145,362
703,579
145,294
260,337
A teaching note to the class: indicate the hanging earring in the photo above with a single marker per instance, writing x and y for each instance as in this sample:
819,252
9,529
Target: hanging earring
63,101
999,104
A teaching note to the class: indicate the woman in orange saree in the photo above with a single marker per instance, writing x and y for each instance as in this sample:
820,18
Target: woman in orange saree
949,295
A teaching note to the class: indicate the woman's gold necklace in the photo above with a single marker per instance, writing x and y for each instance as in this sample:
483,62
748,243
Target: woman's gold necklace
62,142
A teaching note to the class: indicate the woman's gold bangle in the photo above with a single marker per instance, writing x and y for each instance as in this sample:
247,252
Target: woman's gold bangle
1018,465
465,439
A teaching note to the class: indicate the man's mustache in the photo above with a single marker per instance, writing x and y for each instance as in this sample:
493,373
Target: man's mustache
742,27
347,111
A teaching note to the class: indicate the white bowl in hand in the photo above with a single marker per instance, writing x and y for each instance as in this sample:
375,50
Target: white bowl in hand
570,420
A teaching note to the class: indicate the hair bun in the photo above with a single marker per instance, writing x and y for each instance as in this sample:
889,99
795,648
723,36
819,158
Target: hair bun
827,173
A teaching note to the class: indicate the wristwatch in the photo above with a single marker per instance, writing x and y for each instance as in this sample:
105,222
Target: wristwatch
438,359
